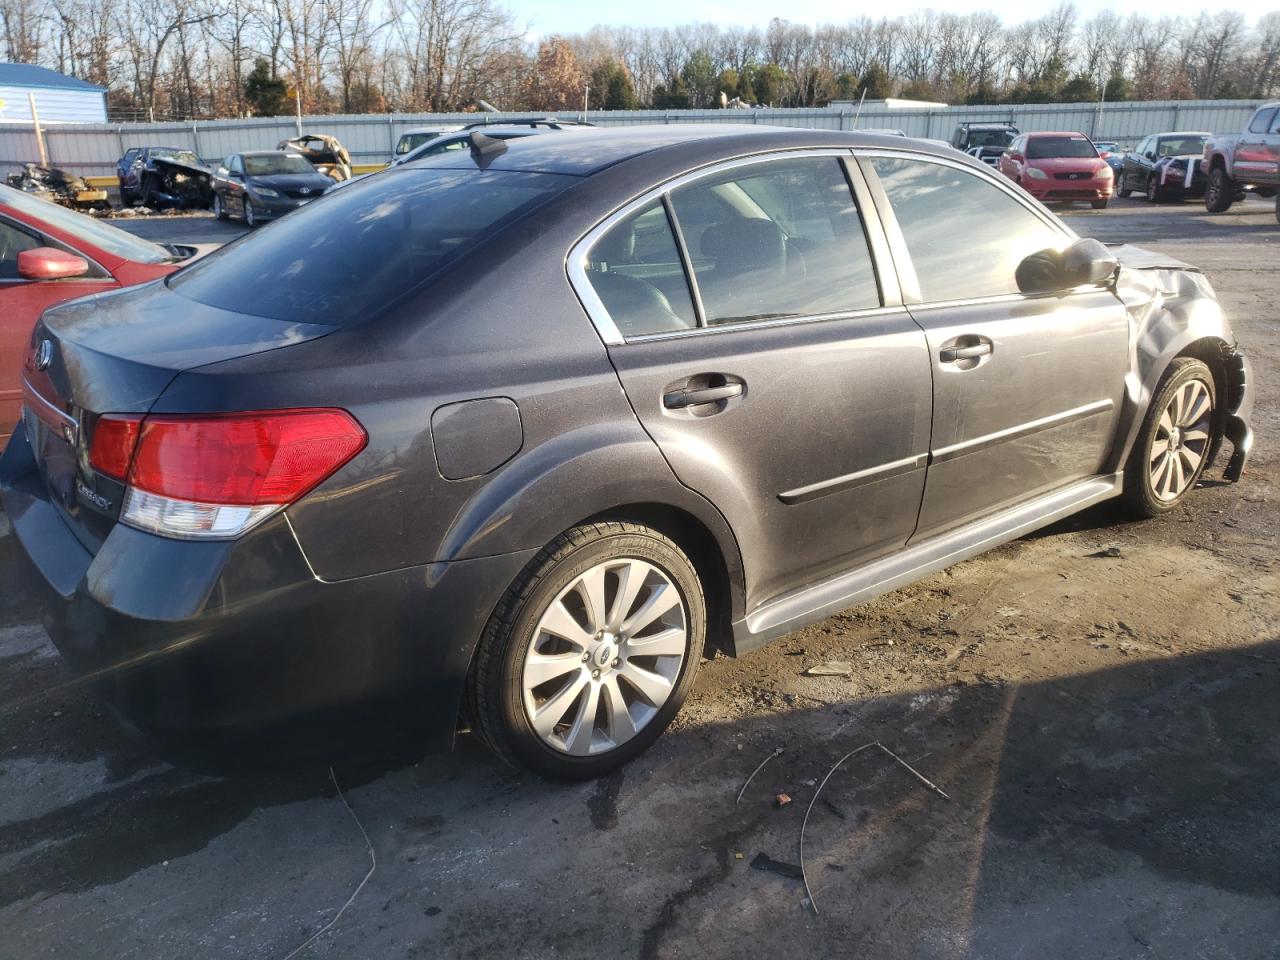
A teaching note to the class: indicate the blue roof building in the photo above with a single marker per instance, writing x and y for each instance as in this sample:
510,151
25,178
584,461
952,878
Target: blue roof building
59,98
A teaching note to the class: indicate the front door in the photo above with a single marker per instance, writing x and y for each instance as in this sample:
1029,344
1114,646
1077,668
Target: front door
1027,389
771,376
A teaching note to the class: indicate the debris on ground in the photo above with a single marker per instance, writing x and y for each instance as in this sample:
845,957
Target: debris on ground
762,861
777,752
805,822
1106,553
782,799
59,186
832,668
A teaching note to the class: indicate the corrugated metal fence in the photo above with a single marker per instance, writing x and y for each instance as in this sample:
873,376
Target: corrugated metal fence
92,149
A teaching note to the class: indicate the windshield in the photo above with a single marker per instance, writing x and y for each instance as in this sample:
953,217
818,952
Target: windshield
990,138
105,237
186,156
282,163
359,250
1182,146
1048,148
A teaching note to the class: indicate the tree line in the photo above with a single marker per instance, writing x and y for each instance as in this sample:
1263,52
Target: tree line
195,59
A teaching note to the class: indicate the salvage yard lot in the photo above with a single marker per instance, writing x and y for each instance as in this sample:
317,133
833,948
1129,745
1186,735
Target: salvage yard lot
1099,701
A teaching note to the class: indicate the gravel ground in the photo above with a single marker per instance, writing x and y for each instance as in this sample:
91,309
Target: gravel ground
1105,727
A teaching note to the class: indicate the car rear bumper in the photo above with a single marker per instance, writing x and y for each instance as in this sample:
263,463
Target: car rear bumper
219,644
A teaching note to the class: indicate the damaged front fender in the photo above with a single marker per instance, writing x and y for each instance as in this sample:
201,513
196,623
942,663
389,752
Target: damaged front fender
1174,312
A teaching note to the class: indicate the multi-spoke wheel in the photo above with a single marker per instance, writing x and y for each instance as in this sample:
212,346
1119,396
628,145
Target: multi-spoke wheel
1177,436
591,653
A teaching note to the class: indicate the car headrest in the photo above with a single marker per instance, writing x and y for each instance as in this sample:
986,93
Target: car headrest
743,245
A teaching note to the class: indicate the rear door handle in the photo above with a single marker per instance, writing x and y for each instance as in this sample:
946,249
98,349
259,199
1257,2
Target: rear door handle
971,352
689,398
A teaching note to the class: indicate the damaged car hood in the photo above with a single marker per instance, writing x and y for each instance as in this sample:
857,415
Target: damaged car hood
1139,258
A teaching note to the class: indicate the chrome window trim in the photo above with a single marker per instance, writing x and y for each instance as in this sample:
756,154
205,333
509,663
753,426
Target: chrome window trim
580,280
883,471
767,324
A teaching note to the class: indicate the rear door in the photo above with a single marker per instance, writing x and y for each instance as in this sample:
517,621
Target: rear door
1253,161
1027,389
744,318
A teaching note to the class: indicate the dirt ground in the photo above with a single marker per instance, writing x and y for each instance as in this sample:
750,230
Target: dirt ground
1104,725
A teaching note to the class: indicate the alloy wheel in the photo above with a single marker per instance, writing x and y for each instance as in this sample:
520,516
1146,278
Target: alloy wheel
605,656
1181,440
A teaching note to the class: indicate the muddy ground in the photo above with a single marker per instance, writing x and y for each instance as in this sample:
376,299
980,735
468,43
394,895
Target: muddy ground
1105,727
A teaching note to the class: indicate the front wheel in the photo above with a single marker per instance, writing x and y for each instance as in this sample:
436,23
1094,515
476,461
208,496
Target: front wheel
1173,446
1153,190
590,653
1098,204
1220,192
1122,191
250,218
1278,208
219,211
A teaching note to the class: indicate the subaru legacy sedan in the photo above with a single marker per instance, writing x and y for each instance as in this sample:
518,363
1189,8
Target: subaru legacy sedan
523,432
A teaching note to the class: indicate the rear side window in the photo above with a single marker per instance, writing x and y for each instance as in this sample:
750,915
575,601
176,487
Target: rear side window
353,253
966,236
636,271
781,238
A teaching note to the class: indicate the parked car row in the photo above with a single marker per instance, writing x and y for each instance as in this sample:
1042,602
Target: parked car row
527,425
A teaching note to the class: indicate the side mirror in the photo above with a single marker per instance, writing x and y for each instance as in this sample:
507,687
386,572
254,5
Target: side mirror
1051,271
49,263
1150,154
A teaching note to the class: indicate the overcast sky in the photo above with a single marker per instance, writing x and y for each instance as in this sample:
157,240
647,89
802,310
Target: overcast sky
576,16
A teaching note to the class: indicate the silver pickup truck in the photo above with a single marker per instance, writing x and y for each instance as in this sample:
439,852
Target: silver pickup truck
1249,160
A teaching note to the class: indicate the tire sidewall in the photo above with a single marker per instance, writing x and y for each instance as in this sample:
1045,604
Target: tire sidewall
1138,473
523,740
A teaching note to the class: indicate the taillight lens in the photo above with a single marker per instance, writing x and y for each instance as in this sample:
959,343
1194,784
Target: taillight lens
111,451
220,475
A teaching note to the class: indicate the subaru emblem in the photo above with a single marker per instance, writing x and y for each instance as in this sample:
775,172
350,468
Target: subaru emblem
44,355
304,191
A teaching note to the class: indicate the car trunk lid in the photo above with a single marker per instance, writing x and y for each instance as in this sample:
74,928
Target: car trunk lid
116,355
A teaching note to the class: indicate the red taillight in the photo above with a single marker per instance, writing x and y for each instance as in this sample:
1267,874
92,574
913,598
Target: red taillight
245,459
114,438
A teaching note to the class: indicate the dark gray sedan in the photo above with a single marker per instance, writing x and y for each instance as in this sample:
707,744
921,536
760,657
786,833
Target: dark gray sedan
524,431
265,184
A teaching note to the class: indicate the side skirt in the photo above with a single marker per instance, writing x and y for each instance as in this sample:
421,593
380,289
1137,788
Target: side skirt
798,609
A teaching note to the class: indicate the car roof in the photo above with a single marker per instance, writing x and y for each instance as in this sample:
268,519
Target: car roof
440,129
1056,133
591,149
270,153
1183,133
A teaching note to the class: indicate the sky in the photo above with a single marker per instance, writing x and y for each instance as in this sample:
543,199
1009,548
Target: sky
576,16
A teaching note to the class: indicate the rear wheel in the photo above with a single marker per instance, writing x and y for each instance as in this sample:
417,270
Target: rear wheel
1173,446
1219,193
591,652
219,211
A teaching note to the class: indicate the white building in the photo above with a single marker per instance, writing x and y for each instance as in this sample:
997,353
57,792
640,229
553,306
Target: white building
59,98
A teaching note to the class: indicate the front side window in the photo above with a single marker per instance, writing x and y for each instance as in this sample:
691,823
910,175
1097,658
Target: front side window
12,242
966,236
776,239
636,271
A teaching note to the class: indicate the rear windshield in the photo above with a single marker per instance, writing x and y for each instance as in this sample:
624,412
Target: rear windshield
352,254
1181,146
267,166
990,138
1045,148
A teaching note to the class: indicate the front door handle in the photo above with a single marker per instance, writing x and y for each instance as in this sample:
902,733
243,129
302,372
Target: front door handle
679,399
970,352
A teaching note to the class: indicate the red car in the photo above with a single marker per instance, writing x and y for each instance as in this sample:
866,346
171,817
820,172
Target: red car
1058,166
49,254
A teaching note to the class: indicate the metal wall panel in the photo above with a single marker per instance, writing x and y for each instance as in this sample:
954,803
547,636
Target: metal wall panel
92,149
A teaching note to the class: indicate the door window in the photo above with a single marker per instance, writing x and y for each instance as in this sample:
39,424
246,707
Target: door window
12,242
966,236
636,271
237,164
777,239
1262,120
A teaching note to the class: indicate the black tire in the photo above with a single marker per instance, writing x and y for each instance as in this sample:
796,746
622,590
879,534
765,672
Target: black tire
495,693
1139,493
1099,204
1152,190
1122,190
147,196
1278,208
1219,192
250,218
219,211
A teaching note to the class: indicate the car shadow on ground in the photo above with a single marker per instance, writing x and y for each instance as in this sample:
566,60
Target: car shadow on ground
1121,812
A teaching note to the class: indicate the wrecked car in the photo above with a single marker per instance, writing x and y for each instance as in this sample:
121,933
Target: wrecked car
59,186
481,431
323,152
163,177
